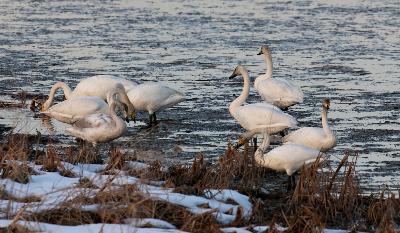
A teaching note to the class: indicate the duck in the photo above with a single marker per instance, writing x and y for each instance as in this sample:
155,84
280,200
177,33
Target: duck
254,116
97,85
99,127
288,158
280,92
77,107
153,97
322,139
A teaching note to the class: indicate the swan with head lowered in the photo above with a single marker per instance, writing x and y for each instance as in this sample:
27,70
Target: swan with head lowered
71,109
99,127
98,85
153,97
322,139
279,92
254,116
288,157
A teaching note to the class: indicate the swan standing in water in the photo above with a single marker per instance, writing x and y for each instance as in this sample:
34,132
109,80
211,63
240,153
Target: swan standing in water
254,116
99,127
288,157
153,97
71,109
279,92
322,139
98,85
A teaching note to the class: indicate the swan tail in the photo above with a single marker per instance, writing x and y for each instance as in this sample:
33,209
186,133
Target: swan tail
173,100
76,132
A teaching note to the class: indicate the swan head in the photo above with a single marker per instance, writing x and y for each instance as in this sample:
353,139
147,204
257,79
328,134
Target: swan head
130,115
46,105
326,104
239,70
264,50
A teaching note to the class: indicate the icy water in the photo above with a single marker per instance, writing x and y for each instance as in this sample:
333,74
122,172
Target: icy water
345,50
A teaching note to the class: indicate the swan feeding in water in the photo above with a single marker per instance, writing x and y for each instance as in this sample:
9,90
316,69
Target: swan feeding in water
153,97
98,85
288,157
322,139
77,107
259,115
277,91
99,127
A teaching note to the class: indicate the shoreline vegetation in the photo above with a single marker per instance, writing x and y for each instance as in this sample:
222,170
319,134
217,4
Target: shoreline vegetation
78,185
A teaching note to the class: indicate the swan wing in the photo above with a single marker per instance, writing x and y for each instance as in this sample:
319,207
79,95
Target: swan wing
291,157
153,96
309,136
77,106
256,116
92,121
279,92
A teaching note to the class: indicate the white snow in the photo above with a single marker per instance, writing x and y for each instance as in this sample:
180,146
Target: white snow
54,189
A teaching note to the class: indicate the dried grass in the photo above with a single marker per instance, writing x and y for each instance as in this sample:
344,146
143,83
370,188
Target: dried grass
323,197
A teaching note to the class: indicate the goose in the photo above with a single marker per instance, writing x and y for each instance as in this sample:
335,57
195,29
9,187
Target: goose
99,127
71,109
322,139
279,92
253,116
288,157
97,85
153,97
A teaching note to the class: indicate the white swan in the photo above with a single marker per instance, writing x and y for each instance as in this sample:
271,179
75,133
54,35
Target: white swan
260,115
97,85
153,97
318,138
288,157
78,107
279,92
99,127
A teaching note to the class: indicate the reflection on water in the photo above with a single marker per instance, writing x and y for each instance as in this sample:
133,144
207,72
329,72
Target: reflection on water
343,50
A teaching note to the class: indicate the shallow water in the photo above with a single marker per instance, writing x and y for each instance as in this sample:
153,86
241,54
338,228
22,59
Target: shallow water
347,51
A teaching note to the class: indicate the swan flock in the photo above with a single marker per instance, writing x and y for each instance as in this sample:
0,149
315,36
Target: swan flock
91,110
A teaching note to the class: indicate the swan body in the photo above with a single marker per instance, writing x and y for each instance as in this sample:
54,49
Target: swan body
70,110
98,85
153,97
260,115
102,83
322,139
288,158
279,92
99,127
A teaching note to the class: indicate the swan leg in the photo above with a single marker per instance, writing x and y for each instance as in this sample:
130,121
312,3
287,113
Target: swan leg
150,120
289,184
293,181
154,118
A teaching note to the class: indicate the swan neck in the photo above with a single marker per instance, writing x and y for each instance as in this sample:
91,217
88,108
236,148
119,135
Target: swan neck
124,98
119,123
259,156
245,93
268,61
325,126
67,93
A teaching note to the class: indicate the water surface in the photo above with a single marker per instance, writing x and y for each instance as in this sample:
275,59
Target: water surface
343,50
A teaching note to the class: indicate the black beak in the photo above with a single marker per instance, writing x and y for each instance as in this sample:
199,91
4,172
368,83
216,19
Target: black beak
259,53
232,76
